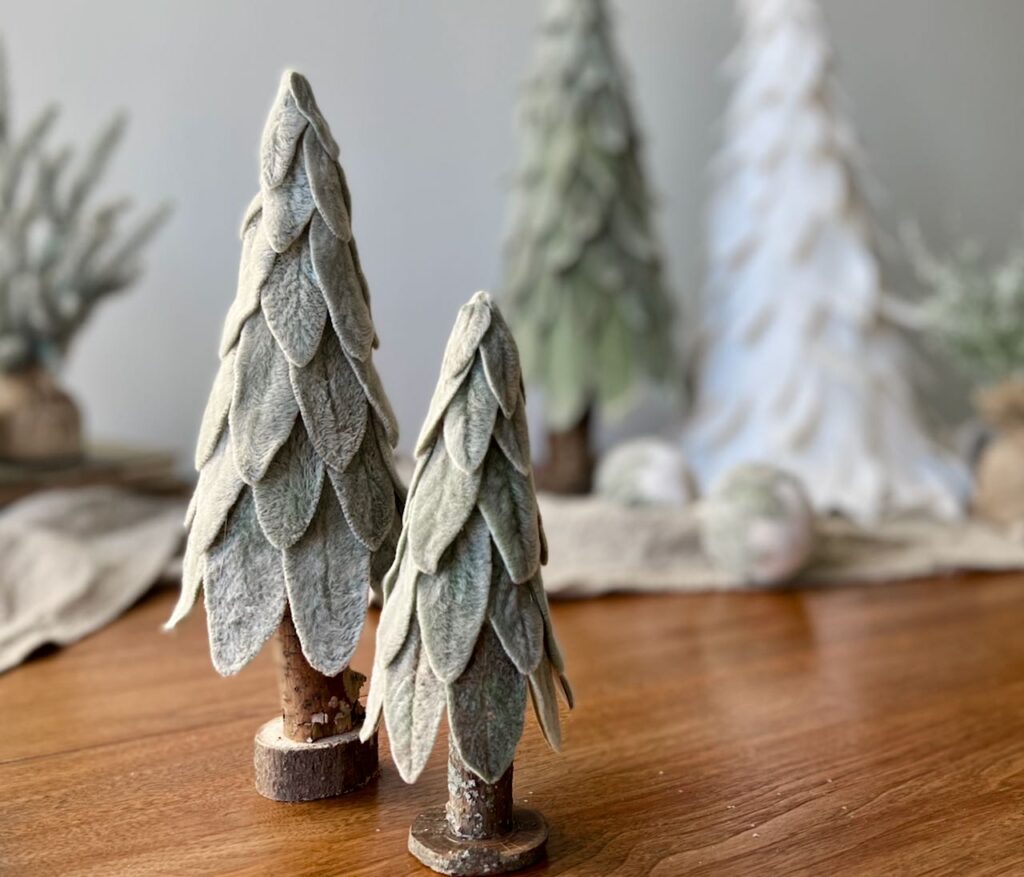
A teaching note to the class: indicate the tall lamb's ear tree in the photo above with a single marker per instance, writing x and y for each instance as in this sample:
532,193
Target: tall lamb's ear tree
583,288
59,257
802,364
465,622
297,510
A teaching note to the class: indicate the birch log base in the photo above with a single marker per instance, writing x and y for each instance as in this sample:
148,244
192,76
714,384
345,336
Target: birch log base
433,843
287,770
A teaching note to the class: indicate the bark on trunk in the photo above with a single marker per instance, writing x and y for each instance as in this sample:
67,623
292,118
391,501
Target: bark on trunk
313,706
570,465
477,810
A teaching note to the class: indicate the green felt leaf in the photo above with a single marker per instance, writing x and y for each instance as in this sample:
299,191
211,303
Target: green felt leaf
545,703
287,207
366,492
281,135
215,417
257,261
509,505
293,305
325,184
288,495
398,611
516,620
501,363
513,437
469,420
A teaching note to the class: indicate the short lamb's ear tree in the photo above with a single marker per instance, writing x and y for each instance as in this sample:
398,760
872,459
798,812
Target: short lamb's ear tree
465,626
583,288
297,510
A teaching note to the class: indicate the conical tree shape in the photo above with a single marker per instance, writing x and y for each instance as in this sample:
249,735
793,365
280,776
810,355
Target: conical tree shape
583,288
800,364
297,503
465,622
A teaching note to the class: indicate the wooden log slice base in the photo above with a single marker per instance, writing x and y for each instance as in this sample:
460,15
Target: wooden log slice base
291,771
431,841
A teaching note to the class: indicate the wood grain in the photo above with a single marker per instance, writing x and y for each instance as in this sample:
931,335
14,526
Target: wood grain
846,732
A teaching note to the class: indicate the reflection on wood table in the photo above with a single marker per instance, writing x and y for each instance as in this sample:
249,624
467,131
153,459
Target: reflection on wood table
847,732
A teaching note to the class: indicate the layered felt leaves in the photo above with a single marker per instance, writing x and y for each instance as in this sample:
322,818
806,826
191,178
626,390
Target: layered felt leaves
583,283
465,625
297,504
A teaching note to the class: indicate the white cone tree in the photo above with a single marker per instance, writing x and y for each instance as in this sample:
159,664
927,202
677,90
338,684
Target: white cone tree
800,365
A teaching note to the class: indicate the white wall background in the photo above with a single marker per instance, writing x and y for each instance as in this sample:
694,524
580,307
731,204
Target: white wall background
420,94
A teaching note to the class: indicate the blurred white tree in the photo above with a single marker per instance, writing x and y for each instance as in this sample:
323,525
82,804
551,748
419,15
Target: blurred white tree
800,364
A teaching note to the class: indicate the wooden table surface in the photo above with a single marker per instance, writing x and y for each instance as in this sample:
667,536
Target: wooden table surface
858,731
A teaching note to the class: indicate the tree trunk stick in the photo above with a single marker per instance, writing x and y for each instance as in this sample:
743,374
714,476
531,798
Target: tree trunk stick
477,810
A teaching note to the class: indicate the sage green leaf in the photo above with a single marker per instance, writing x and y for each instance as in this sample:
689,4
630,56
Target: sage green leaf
451,605
335,274
263,407
215,417
192,567
543,540
366,374
554,653
293,305
545,703
244,590
325,184
501,363
374,703
439,508
384,556
509,506
332,403
257,261
472,322
288,207
288,495
328,577
304,100
413,704
486,709
616,359
513,437
444,392
281,134
216,492
516,620
469,420
397,612
366,492
569,385
252,214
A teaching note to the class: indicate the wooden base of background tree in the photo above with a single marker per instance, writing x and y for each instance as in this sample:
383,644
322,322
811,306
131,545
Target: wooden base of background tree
39,422
479,831
313,749
569,468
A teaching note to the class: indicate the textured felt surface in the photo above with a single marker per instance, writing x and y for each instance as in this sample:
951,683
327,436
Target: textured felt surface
465,611
297,500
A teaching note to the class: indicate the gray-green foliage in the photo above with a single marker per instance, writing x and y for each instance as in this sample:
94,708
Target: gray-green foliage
976,309
59,255
465,621
583,288
298,502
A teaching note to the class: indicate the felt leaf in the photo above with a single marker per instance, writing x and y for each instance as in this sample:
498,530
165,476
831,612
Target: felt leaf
293,306
366,492
513,437
452,604
509,506
472,322
252,214
288,495
366,374
516,620
263,407
374,704
397,612
325,184
485,709
328,577
439,507
413,705
543,539
501,363
216,492
281,133
304,100
332,403
244,589
288,207
545,703
257,261
192,568
444,392
469,420
216,414
336,275
554,653
384,556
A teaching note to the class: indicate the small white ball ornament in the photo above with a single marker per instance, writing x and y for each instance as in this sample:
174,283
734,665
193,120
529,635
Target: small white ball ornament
647,471
757,525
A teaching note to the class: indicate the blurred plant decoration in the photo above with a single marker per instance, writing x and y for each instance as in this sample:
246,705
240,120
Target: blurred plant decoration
465,621
59,258
297,510
801,361
975,316
583,287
